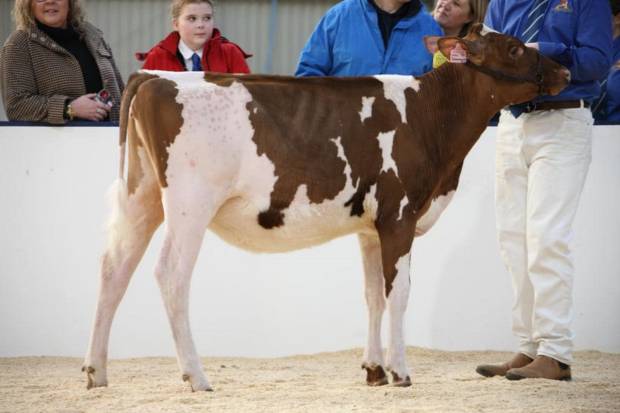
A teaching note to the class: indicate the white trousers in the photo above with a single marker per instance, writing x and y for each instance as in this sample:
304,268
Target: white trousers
542,160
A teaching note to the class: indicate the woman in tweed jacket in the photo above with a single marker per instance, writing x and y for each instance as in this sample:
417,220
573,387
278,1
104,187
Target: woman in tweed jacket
54,63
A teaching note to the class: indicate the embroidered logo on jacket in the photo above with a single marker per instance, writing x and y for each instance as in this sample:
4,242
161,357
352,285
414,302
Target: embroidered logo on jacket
563,6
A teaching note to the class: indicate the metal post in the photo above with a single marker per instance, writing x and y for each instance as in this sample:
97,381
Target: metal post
273,31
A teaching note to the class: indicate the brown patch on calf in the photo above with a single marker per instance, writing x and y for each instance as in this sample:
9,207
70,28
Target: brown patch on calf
160,124
396,235
357,200
135,171
133,84
296,122
224,80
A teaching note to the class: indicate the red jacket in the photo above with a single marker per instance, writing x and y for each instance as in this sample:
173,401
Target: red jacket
219,55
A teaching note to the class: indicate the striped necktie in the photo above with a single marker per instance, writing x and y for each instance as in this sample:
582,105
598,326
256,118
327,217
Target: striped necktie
534,21
196,63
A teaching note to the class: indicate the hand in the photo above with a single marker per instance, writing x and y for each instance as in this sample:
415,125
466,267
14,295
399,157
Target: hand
532,45
86,107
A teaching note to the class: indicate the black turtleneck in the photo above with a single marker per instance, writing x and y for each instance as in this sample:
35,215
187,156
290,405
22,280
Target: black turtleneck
70,40
387,21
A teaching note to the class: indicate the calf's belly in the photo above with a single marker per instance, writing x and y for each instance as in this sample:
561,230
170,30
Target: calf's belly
305,226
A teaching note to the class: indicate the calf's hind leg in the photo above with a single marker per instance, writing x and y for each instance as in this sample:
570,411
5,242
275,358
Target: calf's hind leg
135,219
186,223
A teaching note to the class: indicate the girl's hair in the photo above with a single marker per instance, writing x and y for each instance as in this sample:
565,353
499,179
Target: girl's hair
177,6
24,18
478,10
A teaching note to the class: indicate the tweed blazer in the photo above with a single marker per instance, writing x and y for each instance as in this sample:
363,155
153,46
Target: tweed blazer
37,76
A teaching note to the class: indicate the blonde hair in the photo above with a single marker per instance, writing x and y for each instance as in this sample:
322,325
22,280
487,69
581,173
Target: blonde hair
478,10
177,6
24,18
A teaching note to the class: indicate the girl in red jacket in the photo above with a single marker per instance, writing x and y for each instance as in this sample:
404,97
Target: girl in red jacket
195,44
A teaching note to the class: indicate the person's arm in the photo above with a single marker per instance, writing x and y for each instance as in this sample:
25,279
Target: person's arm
117,73
19,87
590,57
493,18
316,57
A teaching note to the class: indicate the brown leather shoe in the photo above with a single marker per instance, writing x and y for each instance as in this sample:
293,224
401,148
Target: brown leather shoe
490,370
542,367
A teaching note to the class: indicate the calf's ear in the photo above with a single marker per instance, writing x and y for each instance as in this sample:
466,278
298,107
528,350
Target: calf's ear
476,29
431,43
447,44
452,47
455,49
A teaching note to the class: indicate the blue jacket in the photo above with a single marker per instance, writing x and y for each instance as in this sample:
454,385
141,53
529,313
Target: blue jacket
608,107
347,42
575,33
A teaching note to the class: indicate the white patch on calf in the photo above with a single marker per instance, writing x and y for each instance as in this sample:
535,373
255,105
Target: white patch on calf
433,213
214,148
366,111
400,284
397,305
347,169
371,205
303,209
386,141
403,203
394,87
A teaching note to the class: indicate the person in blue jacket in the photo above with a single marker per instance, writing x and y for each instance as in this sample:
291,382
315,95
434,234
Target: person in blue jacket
366,37
607,107
543,153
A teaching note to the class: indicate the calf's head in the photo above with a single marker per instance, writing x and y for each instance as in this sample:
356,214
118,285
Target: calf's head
521,72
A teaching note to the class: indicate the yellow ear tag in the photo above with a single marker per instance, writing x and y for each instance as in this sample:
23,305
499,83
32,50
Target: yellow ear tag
438,59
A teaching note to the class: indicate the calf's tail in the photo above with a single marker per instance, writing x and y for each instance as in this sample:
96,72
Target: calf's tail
135,81
135,202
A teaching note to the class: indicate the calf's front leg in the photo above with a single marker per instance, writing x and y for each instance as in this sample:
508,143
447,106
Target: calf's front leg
375,300
396,237
397,306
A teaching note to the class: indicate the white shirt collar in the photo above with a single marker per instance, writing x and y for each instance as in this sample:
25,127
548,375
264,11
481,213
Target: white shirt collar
186,52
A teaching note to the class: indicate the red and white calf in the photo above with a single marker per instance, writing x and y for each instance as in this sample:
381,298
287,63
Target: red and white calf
274,164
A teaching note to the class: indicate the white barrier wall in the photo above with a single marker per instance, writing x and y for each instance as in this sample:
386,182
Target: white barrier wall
53,182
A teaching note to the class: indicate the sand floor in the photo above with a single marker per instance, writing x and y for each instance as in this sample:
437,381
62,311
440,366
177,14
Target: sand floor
327,382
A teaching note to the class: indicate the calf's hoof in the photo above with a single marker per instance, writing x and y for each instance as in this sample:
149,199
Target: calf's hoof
96,378
398,382
197,383
375,375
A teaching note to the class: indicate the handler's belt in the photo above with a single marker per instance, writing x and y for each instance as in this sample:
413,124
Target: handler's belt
560,104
